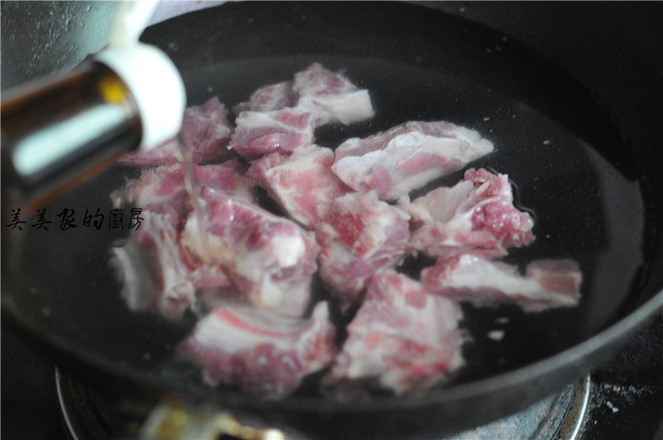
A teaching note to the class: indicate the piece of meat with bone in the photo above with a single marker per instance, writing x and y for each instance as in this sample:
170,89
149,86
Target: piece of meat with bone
156,273
261,352
359,236
407,157
302,183
546,283
281,131
331,96
402,339
159,186
205,129
169,284
269,98
269,259
474,216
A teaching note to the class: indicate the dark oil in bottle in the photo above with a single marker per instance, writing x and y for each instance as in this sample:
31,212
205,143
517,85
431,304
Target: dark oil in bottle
57,135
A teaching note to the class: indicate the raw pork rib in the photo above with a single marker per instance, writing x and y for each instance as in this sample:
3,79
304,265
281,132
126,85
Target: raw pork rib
166,184
407,157
260,133
476,215
402,338
546,283
155,270
331,96
261,352
269,98
359,236
250,273
269,259
170,283
302,183
205,129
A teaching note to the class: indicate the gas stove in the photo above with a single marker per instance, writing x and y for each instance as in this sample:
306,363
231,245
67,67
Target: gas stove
621,399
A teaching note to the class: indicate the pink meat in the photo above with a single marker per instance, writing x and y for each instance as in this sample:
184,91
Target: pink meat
269,98
282,131
546,283
476,216
359,236
170,283
166,184
302,183
407,157
269,259
206,131
402,339
260,352
156,272
331,96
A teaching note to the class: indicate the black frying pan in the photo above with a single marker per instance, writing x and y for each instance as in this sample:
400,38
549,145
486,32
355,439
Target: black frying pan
582,153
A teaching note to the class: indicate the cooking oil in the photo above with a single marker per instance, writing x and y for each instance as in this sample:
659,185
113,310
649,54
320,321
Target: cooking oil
58,134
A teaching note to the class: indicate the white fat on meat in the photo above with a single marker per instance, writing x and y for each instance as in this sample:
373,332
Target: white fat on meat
282,131
402,339
359,236
165,185
133,270
546,283
166,285
302,183
169,284
269,98
282,252
407,157
476,215
331,96
259,351
269,259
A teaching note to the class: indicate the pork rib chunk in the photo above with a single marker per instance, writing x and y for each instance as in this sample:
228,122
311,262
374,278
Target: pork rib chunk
156,271
302,183
476,216
407,157
476,279
269,259
269,98
163,185
282,131
261,352
331,96
359,236
402,339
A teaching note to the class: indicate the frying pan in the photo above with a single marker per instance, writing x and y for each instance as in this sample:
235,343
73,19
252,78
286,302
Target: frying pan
569,93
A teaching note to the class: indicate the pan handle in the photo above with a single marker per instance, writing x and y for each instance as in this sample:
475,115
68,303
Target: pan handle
173,419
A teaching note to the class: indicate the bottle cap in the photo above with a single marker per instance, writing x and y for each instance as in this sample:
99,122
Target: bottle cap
156,86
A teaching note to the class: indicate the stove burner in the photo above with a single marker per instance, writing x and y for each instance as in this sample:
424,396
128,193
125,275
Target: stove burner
89,414
557,416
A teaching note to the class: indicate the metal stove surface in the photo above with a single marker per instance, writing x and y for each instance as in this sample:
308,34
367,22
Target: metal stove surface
623,399
88,414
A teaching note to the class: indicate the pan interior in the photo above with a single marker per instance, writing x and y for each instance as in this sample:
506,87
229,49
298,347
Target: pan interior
570,166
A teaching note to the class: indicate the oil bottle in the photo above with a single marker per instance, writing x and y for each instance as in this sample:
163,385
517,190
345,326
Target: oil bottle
57,133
